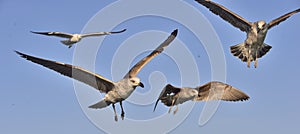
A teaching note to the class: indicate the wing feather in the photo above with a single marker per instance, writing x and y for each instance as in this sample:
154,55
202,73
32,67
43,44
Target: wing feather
138,66
58,34
282,18
92,79
166,95
102,33
220,91
229,16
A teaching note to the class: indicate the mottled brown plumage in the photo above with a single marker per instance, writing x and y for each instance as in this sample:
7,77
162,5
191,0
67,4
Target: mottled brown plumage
253,47
171,96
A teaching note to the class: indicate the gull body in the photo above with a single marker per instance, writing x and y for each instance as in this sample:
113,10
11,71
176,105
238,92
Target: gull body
115,91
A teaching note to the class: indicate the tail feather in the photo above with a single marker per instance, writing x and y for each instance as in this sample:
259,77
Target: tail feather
100,104
263,50
239,51
242,52
68,43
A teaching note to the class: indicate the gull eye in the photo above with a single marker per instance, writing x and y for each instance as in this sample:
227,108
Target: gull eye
132,81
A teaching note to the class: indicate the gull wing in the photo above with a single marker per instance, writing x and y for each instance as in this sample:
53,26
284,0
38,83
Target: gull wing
57,34
138,66
219,91
282,18
167,94
92,79
102,33
229,16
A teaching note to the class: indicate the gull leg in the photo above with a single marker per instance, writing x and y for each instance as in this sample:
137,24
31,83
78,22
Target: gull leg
173,101
175,111
256,61
170,109
248,63
122,113
248,58
116,117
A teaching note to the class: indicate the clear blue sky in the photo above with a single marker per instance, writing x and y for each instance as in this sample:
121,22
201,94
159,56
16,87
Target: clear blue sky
35,100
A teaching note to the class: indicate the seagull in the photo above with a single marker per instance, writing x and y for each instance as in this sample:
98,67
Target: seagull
115,91
253,47
214,90
74,38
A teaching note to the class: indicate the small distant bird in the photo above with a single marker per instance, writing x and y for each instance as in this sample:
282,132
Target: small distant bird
172,96
115,91
74,38
253,47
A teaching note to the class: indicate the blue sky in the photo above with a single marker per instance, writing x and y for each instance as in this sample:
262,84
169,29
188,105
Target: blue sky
37,100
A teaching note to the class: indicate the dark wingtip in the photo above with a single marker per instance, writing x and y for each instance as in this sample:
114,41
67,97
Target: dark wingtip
155,105
22,54
200,1
19,53
169,86
120,31
123,30
34,32
175,32
245,98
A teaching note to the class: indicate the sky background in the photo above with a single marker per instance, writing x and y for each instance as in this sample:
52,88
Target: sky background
35,100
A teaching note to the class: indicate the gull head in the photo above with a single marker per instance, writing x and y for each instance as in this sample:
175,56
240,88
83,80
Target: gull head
76,38
135,81
192,93
261,26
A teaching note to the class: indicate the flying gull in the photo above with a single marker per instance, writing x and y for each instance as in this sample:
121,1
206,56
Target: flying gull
172,96
115,91
74,38
253,47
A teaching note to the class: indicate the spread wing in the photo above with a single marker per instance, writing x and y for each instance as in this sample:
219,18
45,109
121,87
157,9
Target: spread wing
138,66
219,91
227,15
94,80
102,33
167,94
57,34
282,18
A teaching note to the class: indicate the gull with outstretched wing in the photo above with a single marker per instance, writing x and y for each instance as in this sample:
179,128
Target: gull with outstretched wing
253,47
74,38
171,96
115,91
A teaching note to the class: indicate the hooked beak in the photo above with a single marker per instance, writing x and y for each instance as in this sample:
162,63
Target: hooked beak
261,29
141,84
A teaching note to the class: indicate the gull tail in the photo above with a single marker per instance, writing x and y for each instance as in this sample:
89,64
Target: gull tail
100,104
68,43
263,50
240,51
248,54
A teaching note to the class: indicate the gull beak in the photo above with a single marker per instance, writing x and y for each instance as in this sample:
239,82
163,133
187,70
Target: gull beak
258,30
141,84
